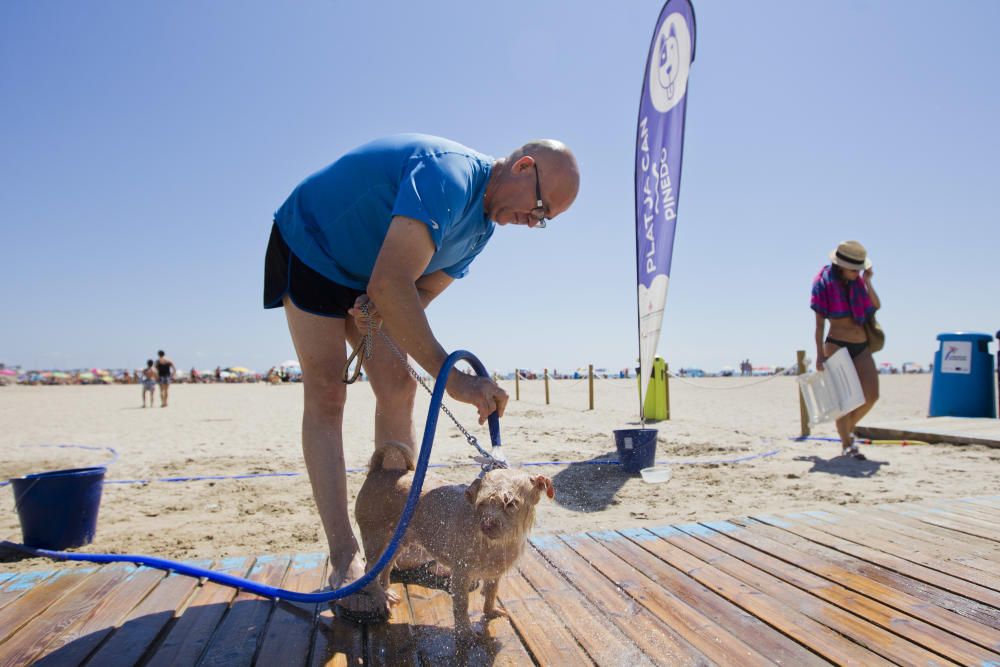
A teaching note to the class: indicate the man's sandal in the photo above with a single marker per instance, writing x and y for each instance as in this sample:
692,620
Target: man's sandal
362,617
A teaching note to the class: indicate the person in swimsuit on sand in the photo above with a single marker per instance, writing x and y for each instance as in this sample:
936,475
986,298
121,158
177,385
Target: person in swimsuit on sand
165,369
149,377
843,294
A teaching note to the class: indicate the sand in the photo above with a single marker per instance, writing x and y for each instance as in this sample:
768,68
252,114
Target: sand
234,429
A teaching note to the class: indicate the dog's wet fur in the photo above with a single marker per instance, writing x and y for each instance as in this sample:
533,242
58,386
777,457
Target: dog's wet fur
477,530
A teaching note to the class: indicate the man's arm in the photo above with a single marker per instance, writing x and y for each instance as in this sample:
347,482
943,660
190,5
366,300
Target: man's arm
400,293
431,285
405,253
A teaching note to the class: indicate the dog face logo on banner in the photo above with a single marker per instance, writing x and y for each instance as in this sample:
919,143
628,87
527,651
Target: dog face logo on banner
669,69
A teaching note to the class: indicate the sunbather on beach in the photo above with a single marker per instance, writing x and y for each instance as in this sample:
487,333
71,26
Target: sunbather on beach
842,293
391,224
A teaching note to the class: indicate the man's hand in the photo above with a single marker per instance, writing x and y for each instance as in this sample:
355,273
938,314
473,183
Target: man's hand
480,392
868,273
819,361
360,317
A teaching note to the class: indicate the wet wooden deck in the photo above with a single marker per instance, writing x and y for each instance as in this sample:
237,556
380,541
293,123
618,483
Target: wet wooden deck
896,584
955,430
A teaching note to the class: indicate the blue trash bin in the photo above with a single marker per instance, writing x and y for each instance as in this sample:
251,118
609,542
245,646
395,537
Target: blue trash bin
962,385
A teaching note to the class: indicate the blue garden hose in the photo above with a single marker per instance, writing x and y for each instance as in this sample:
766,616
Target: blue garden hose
295,596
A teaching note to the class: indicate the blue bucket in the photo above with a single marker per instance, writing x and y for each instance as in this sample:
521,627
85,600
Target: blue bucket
636,448
58,510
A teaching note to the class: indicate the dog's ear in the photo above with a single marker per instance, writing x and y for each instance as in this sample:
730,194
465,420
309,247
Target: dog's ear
473,490
543,483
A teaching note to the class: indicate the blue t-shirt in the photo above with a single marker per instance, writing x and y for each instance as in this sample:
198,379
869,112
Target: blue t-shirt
336,220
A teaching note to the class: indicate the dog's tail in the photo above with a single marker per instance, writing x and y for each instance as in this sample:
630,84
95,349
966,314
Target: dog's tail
377,461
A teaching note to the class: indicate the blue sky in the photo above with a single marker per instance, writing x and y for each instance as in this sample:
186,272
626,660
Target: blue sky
145,146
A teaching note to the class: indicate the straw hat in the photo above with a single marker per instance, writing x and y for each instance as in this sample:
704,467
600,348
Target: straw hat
851,255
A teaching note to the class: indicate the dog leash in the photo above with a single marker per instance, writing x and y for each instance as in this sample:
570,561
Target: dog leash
487,460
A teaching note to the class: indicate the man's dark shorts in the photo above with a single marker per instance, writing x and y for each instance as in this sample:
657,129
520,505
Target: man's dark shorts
284,273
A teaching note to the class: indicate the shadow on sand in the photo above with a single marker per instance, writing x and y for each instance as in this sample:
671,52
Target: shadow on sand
844,466
587,486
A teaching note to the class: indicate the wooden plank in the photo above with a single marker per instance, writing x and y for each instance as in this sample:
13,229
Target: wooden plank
890,561
786,619
979,513
497,636
599,637
289,634
393,643
77,642
434,632
543,632
768,641
185,640
942,520
898,550
138,633
867,622
236,638
47,628
20,583
972,609
660,642
970,544
39,597
958,625
905,536
336,642
984,528
711,639
956,430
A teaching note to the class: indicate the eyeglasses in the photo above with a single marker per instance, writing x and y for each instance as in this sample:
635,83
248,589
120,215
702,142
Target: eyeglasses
538,213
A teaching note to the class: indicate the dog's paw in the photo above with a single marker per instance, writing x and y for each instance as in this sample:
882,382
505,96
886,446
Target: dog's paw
496,612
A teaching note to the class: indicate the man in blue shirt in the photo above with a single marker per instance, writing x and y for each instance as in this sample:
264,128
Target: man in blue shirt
391,224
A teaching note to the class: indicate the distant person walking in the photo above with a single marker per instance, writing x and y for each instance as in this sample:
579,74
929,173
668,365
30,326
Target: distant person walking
843,294
149,377
165,369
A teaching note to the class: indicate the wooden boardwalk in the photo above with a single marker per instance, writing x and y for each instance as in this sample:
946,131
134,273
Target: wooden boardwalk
915,584
957,430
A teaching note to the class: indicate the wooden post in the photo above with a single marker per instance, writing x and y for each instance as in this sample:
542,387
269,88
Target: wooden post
517,384
546,386
590,373
666,388
803,413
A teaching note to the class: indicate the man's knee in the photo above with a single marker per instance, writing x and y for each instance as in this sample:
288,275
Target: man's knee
326,397
400,389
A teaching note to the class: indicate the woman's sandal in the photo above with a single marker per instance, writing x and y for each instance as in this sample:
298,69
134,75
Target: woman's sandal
853,452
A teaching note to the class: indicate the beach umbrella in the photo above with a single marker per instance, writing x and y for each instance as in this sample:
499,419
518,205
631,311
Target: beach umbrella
86,375
8,371
57,374
291,363
241,370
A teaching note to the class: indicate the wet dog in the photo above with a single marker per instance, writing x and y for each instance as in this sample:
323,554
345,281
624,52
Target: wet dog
477,530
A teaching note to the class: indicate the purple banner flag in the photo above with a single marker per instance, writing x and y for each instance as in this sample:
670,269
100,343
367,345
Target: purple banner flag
659,148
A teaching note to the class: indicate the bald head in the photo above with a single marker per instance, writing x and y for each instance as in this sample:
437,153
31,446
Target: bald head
544,170
561,173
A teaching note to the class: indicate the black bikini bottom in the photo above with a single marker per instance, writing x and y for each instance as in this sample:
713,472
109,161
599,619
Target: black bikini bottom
854,349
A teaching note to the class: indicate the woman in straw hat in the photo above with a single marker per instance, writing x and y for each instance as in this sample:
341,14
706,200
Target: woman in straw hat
843,294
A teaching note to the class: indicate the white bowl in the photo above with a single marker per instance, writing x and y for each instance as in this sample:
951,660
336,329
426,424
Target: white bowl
656,474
